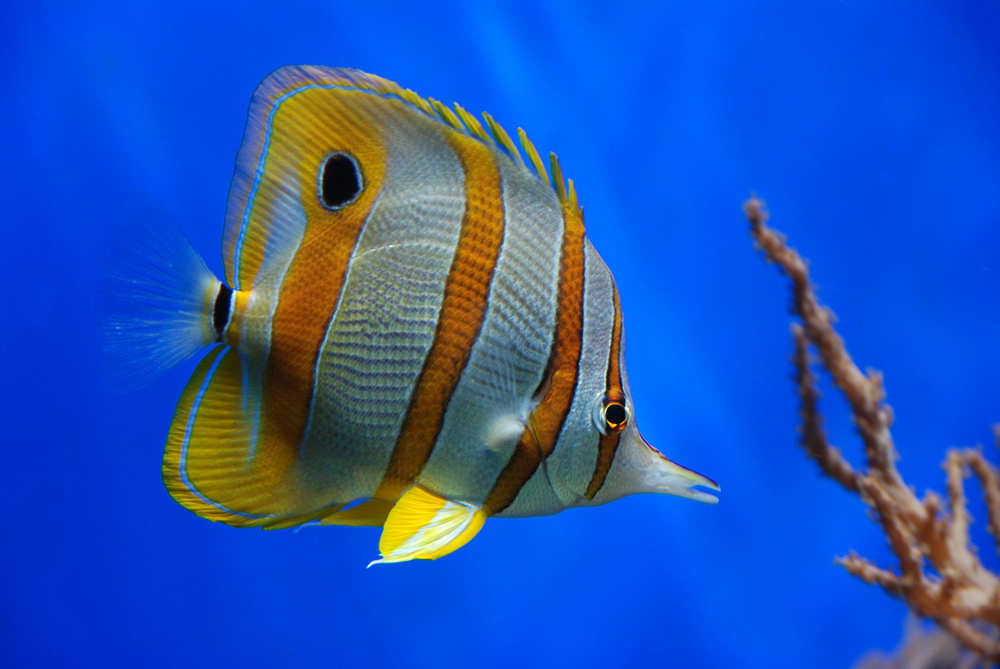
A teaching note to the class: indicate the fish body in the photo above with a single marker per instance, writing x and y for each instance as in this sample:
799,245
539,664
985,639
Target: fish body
414,330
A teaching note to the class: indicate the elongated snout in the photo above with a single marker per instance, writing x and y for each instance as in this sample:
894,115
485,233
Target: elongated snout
666,476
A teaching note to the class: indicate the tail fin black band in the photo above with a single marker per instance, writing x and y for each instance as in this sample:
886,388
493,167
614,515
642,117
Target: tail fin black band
221,310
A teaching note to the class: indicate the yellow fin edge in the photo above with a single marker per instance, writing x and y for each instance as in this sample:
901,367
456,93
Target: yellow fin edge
370,513
423,526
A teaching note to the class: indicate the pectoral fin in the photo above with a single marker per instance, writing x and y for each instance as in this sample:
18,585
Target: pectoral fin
423,526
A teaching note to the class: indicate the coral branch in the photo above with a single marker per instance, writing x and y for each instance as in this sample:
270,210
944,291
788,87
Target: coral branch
941,575
814,439
862,392
990,483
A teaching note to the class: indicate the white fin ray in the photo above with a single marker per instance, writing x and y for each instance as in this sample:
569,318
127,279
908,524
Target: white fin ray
155,298
500,390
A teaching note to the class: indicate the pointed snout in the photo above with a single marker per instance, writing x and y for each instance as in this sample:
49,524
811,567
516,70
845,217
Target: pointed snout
668,477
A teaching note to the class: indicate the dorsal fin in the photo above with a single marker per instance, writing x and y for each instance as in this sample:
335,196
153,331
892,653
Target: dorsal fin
474,126
463,121
282,84
536,160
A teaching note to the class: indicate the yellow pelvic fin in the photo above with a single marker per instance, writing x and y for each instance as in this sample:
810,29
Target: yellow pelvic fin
423,526
370,513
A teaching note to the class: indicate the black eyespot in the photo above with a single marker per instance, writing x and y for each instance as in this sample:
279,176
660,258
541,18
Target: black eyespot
339,181
615,415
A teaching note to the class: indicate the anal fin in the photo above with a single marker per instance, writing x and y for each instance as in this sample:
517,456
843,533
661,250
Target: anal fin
218,466
317,516
423,526
370,513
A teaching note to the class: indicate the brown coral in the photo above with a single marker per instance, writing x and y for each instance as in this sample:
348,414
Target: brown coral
940,576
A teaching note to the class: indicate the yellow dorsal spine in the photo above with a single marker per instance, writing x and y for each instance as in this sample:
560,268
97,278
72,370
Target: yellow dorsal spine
474,126
446,115
418,102
463,121
536,160
557,179
574,203
501,137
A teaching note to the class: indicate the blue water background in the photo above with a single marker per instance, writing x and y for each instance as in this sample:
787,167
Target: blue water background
872,129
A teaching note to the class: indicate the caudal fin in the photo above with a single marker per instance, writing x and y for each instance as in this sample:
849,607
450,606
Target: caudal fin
155,298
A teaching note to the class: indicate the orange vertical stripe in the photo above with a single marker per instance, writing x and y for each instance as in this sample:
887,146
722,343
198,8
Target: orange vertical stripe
559,381
306,129
258,140
463,309
608,445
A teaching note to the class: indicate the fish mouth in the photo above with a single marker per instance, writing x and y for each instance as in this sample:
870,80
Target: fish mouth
672,479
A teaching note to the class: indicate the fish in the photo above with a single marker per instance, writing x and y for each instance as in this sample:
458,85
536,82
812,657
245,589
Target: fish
413,331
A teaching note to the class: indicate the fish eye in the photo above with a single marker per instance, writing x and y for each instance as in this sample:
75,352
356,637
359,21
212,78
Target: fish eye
611,414
339,181
615,415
